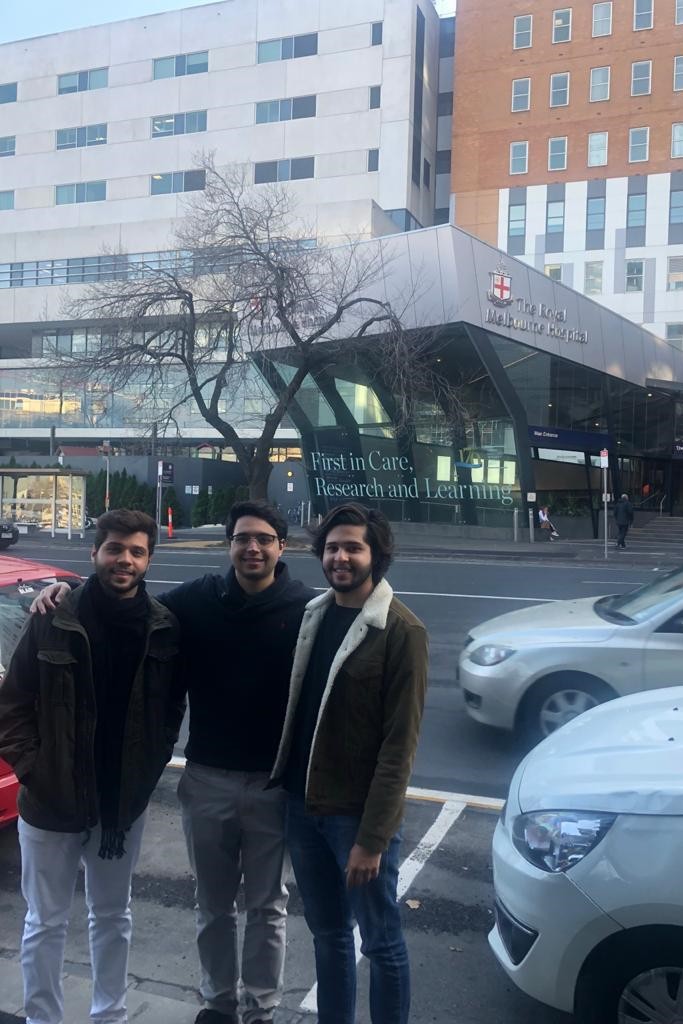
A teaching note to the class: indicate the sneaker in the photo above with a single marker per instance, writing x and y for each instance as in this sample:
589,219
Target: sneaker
207,1016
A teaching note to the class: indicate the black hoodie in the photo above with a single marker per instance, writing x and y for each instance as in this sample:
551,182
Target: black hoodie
238,658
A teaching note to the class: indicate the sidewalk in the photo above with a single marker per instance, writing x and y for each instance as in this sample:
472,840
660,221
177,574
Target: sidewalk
148,1002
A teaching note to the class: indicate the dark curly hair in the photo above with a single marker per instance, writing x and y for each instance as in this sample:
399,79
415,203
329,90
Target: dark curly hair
125,521
260,510
378,534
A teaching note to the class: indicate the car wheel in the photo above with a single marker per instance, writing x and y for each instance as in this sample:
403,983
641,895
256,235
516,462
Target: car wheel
554,701
4,544
643,987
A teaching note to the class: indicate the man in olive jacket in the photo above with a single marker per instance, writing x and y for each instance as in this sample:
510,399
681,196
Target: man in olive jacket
347,749
90,709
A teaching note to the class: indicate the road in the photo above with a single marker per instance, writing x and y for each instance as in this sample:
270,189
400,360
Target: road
455,754
446,850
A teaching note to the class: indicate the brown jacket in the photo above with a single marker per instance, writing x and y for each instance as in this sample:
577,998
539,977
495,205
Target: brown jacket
367,730
47,719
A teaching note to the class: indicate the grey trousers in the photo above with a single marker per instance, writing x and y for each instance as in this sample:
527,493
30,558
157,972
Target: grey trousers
234,829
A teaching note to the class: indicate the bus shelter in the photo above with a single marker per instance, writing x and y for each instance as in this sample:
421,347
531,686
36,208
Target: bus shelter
52,499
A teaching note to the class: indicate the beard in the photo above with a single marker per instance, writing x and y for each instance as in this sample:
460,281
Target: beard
351,580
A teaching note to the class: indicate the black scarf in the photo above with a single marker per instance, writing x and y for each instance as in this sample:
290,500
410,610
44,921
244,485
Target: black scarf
116,629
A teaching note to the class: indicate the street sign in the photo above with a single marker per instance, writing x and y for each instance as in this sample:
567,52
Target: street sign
604,458
165,472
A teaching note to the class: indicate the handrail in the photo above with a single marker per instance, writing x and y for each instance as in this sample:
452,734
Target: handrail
661,505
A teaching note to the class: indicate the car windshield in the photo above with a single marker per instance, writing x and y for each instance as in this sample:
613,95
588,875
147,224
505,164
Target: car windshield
15,601
665,593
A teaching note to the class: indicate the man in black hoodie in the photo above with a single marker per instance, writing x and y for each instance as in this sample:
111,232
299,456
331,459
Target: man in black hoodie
239,632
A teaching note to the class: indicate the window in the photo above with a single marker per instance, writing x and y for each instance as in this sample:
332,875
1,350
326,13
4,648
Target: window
599,84
678,74
517,220
562,25
641,78
446,38
519,157
521,93
284,170
634,275
521,37
557,154
426,173
642,14
376,33
8,92
674,333
178,124
677,139
6,200
676,207
81,192
82,81
375,96
287,48
638,144
635,210
679,12
181,64
554,218
595,213
178,181
444,104
553,271
75,138
559,89
373,160
7,145
674,274
602,19
442,164
597,149
592,278
285,110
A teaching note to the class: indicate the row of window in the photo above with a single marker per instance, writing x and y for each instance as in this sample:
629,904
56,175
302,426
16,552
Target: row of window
633,275
596,155
596,206
181,64
561,26
598,87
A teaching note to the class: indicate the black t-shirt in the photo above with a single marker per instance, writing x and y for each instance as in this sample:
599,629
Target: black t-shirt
333,628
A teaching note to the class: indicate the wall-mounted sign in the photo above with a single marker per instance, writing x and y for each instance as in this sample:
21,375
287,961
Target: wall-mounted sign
531,496
570,440
529,316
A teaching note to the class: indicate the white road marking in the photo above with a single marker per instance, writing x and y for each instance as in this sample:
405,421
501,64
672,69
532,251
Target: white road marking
478,597
410,869
614,583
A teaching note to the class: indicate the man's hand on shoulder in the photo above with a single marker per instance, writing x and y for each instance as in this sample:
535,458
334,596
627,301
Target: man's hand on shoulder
362,866
48,599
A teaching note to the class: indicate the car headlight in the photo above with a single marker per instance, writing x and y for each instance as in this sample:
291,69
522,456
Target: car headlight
557,840
490,654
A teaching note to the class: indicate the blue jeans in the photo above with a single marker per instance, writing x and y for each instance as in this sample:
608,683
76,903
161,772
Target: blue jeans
319,848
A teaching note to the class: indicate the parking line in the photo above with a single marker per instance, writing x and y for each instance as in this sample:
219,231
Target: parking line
410,869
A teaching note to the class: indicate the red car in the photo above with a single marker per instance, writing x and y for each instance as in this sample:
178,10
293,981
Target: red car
20,581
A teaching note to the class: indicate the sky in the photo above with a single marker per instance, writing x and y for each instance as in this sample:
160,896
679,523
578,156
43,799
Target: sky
41,17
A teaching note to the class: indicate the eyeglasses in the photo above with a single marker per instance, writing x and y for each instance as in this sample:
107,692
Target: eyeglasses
264,540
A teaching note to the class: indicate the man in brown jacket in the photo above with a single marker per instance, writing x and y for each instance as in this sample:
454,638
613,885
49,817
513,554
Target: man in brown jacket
346,754
90,708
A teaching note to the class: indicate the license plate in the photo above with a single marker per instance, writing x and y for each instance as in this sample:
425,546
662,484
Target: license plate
6,534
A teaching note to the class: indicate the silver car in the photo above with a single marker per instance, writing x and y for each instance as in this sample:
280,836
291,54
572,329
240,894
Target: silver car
535,669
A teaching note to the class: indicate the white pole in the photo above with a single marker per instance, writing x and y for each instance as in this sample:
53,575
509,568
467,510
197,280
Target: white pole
531,526
604,499
515,521
106,486
71,506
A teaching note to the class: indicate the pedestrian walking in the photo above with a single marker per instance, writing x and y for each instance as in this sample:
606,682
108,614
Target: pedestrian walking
623,516
547,527
90,709
346,754
238,636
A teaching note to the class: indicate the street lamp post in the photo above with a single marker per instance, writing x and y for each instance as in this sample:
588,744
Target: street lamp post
105,450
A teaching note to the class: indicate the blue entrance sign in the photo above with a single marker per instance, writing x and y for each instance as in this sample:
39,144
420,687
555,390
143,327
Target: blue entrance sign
569,440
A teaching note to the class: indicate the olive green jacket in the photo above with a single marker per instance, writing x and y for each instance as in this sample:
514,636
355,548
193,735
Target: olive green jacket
48,719
367,729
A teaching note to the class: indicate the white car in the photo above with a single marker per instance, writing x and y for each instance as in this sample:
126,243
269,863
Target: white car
587,865
535,669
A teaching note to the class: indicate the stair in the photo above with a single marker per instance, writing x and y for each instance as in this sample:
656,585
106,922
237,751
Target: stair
663,534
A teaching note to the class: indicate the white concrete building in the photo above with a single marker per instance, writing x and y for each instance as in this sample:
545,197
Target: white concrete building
100,129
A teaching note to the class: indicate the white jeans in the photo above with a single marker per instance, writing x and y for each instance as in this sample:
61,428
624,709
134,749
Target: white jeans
49,869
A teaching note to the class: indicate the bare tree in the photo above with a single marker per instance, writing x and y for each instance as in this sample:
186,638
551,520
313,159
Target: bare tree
242,280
